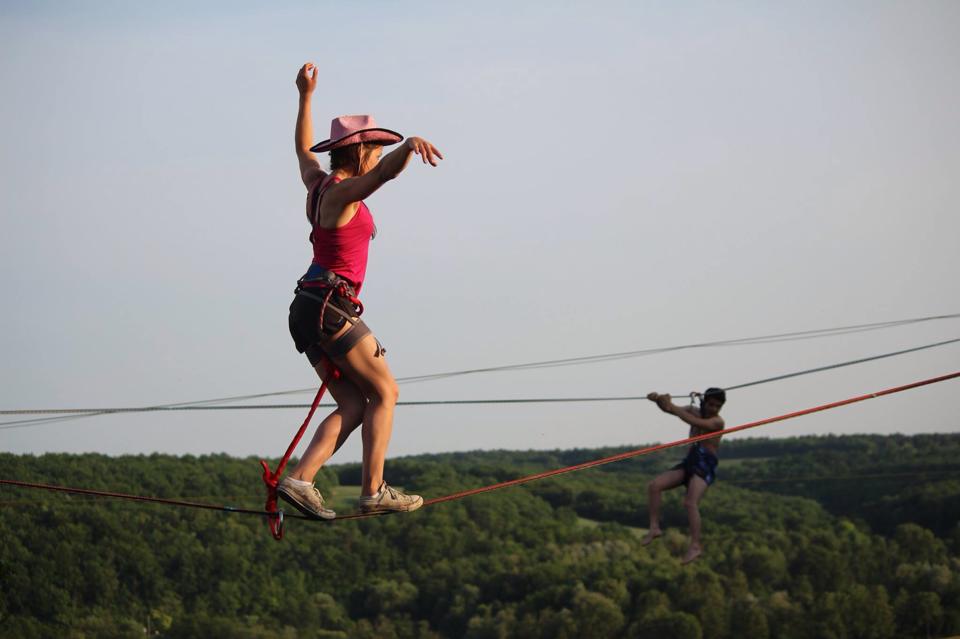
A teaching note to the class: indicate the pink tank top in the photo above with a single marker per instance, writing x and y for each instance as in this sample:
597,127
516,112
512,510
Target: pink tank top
342,250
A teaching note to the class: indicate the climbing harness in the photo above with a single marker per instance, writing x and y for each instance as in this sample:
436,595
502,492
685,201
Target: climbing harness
330,291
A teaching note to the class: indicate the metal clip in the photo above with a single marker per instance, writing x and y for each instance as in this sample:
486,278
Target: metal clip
276,525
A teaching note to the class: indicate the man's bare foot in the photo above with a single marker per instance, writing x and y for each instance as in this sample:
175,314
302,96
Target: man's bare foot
652,534
692,553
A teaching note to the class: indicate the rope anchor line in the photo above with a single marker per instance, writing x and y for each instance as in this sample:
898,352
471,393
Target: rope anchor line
278,516
86,412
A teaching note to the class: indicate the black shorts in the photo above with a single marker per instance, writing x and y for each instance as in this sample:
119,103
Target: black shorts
314,340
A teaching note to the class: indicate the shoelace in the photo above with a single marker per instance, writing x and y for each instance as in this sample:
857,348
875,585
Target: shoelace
316,491
396,495
388,491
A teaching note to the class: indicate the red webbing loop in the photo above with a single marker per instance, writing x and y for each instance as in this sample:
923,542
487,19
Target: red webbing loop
272,478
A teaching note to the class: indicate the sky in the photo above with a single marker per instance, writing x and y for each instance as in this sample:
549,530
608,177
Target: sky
617,176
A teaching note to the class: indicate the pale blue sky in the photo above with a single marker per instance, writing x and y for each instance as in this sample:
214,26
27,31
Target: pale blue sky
618,176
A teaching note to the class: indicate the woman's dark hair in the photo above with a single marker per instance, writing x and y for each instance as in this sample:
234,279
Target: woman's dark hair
716,393
345,157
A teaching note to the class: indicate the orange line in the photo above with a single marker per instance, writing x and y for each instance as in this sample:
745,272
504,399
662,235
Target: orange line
519,480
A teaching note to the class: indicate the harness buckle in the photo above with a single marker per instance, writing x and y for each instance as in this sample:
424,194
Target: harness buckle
324,277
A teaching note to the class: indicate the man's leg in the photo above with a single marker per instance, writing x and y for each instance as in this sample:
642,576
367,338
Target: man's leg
695,490
664,481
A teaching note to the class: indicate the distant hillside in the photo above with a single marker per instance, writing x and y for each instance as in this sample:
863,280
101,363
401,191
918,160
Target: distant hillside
805,538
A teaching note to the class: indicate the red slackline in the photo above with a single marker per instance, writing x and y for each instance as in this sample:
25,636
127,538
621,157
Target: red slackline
276,516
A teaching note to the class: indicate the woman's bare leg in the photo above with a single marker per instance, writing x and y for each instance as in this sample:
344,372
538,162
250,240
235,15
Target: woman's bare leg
369,371
662,482
334,429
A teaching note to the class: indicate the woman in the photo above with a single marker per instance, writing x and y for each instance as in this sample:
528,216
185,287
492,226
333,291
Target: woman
324,315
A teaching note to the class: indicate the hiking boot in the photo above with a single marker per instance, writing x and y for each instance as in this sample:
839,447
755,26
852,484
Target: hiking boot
389,499
305,498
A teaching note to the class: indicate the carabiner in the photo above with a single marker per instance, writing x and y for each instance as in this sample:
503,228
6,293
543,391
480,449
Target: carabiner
276,525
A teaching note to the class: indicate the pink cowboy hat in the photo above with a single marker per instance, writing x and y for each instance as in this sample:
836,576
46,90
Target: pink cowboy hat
351,129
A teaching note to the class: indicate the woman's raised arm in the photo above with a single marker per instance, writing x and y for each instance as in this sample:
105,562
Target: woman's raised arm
310,169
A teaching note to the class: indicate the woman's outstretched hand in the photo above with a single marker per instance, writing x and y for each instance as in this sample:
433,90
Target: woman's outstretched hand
307,78
424,149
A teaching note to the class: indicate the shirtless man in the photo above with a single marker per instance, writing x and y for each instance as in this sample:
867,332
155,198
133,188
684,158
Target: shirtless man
696,471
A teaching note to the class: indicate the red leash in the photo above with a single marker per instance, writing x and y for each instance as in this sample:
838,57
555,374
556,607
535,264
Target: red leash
272,478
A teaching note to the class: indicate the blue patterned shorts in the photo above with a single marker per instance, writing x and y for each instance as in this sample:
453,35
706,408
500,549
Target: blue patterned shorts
700,462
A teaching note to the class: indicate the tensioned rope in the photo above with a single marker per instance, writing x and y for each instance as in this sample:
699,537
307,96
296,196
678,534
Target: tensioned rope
760,339
743,341
852,362
85,500
513,482
454,402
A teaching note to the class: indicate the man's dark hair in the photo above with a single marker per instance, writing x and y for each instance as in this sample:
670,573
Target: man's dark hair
715,393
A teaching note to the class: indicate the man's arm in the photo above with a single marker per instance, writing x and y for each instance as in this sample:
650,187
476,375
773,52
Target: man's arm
310,170
665,404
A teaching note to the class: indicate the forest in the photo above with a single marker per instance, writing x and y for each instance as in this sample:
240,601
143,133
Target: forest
833,537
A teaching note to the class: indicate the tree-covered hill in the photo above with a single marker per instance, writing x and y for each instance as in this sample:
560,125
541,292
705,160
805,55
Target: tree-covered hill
813,537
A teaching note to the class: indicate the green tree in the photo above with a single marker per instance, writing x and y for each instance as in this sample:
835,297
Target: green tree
320,610
919,544
671,625
597,616
747,619
919,614
866,612
487,626
386,596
